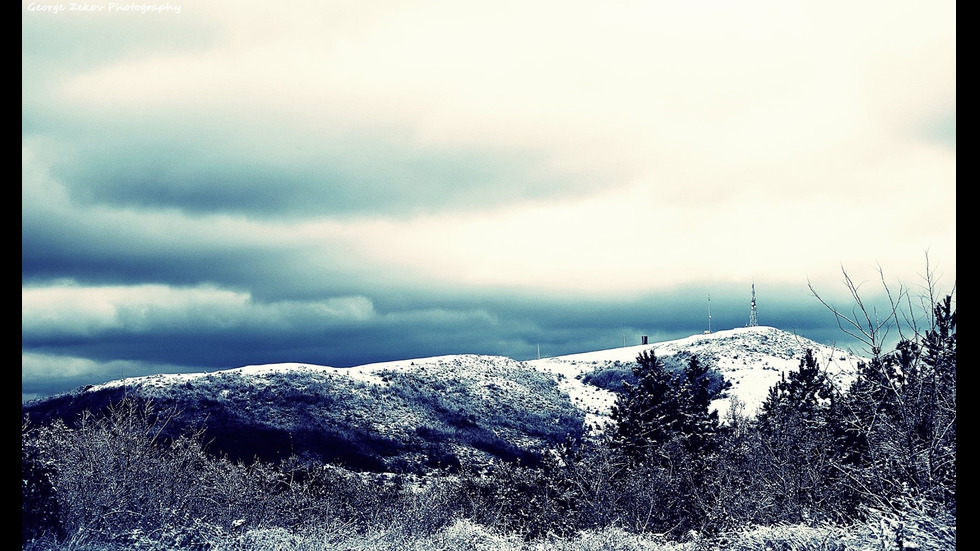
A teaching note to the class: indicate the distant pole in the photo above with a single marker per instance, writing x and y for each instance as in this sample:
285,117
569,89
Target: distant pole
753,318
539,351
709,313
624,341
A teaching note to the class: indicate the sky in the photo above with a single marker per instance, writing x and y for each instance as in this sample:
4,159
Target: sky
207,185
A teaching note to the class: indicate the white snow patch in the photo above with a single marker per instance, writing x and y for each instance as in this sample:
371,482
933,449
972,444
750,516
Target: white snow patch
752,358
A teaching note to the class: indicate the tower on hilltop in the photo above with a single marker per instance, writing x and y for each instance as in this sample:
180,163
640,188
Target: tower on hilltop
708,332
753,320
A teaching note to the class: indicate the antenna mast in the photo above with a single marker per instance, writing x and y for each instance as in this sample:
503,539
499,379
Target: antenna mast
709,314
753,320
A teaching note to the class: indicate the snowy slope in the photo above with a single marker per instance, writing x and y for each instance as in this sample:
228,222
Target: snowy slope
751,358
426,411
385,416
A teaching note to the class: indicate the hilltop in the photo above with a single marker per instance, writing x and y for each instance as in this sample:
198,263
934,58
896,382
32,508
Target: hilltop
750,358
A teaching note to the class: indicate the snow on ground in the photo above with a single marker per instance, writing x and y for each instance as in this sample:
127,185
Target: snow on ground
596,402
752,358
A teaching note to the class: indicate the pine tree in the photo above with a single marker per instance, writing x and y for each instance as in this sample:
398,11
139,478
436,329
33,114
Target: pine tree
799,432
646,411
667,433
939,350
662,407
697,423
900,416
807,393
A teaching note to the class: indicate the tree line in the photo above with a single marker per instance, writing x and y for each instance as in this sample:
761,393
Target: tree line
815,454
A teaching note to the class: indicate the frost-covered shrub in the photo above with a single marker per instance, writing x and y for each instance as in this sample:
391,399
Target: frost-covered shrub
39,510
116,474
528,501
611,378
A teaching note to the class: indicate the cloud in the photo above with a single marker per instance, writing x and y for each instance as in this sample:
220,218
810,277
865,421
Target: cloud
341,182
74,335
73,311
438,103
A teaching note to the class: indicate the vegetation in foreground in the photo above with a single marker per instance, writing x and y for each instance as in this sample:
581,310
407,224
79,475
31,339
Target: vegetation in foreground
868,467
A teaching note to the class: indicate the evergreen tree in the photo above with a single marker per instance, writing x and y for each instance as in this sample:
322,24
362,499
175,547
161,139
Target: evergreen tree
646,411
900,417
807,393
799,432
939,349
697,422
939,343
662,406
667,434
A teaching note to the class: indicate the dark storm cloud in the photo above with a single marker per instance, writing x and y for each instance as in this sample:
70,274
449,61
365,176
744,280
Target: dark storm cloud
241,155
318,175
229,330
95,252
579,325
350,182
237,155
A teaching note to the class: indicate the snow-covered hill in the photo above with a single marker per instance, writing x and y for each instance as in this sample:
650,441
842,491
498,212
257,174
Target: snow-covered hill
401,416
752,359
445,409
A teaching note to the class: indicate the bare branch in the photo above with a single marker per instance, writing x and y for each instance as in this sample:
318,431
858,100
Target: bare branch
862,324
894,302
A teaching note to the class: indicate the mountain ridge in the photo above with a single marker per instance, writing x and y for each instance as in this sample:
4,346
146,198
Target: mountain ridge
423,413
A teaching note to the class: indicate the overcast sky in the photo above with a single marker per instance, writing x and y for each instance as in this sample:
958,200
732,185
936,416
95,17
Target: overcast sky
212,184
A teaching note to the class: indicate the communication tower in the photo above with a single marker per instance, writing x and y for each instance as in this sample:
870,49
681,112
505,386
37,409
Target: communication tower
708,332
753,320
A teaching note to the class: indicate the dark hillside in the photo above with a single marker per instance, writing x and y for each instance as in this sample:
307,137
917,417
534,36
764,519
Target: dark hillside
434,413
